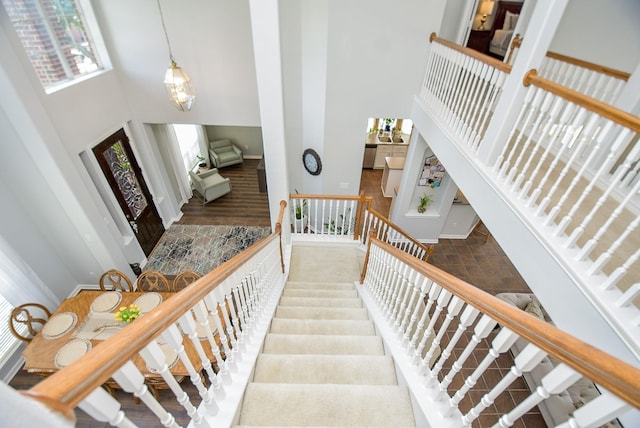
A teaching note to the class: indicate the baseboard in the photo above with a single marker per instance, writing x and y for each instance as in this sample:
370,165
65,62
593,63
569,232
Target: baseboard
252,157
447,236
13,364
78,288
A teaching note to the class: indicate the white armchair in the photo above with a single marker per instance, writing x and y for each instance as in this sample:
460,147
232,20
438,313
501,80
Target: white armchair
210,185
224,153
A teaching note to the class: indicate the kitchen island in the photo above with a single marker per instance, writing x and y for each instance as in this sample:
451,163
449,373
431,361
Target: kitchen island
391,175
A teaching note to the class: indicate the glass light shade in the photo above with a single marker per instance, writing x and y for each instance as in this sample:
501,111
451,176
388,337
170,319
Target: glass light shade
179,89
486,8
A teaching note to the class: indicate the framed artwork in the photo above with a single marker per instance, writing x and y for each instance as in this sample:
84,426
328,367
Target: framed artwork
432,171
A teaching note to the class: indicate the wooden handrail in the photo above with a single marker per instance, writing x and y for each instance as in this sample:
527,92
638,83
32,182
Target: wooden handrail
324,197
613,374
489,60
428,249
622,75
612,113
73,383
283,205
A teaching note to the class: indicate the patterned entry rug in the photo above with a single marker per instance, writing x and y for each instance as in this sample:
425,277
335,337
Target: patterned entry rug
201,248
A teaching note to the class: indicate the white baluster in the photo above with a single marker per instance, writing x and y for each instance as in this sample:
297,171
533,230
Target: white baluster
202,318
104,408
211,300
557,380
131,380
453,309
156,361
524,362
424,289
434,291
466,319
188,325
173,337
627,298
499,345
406,309
606,166
441,303
621,271
480,332
597,412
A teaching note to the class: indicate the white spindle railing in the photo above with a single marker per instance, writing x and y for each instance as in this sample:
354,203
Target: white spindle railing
597,82
422,314
348,218
462,88
570,165
225,326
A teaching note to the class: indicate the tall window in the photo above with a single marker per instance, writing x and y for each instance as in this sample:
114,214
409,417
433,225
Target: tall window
55,37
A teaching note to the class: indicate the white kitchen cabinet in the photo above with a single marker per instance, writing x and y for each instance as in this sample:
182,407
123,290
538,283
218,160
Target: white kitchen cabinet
389,150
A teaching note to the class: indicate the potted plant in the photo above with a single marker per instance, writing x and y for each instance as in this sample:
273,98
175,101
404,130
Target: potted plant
200,162
387,123
300,216
425,201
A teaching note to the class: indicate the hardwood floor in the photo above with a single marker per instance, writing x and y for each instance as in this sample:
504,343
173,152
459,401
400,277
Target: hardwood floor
244,206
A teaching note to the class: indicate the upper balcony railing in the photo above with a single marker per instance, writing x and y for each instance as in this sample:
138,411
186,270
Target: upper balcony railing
570,165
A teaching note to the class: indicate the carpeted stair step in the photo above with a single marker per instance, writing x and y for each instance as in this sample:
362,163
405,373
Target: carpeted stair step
306,285
336,369
335,327
328,405
321,313
322,344
316,292
322,302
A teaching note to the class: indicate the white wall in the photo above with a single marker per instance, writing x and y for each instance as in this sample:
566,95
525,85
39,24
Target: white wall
605,33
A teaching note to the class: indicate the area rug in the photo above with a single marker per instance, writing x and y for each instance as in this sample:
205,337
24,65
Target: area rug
201,248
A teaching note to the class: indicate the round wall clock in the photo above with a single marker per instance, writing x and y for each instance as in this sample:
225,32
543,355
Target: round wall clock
311,161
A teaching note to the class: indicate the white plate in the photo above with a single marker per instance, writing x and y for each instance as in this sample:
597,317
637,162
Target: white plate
71,352
148,301
106,302
59,325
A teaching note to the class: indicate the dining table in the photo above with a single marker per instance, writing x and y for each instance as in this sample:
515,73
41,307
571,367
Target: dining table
87,319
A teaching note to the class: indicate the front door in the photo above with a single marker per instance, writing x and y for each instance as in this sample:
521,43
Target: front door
127,184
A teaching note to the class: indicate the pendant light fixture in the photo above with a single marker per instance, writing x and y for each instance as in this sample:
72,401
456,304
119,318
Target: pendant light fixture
176,81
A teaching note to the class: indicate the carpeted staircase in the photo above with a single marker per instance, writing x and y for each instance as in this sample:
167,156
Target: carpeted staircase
322,363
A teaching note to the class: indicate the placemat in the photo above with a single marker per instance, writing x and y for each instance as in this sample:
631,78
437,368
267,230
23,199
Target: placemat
59,325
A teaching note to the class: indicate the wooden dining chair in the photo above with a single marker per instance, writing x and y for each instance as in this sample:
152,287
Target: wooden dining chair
152,280
114,280
32,316
183,279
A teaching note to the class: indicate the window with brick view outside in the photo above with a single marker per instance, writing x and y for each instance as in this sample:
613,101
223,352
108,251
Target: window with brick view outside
55,38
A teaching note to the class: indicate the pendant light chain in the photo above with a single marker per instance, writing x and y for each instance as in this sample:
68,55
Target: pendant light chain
164,28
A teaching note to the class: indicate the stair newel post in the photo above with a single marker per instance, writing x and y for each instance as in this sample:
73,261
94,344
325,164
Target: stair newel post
422,294
467,318
104,408
441,303
453,309
525,361
131,380
173,337
156,361
362,200
482,329
499,345
372,234
188,326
